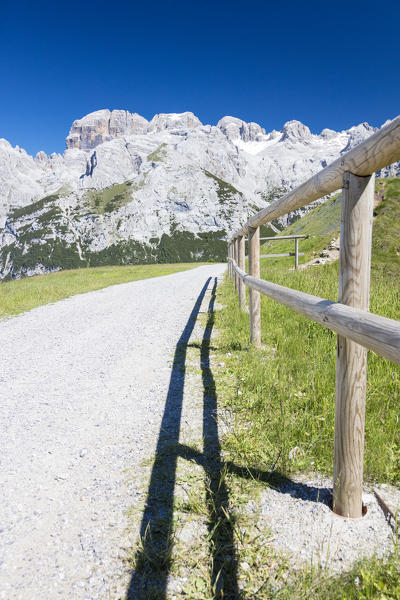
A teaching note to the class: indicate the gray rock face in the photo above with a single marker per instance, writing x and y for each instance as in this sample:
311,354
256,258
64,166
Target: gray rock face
295,131
103,125
234,129
358,134
186,120
328,134
123,179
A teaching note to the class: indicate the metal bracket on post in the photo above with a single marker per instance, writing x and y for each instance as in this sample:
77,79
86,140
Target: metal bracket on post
351,363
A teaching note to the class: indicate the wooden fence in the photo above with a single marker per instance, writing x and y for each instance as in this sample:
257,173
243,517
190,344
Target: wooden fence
296,252
357,329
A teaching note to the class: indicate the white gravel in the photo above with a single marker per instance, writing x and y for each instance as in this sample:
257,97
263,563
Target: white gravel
83,384
304,527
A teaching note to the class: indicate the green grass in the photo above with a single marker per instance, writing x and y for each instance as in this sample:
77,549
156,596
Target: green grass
23,294
283,395
288,396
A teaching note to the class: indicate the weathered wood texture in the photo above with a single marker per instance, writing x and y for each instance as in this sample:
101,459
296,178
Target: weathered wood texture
296,253
254,296
351,360
280,255
241,263
278,238
376,152
236,259
376,333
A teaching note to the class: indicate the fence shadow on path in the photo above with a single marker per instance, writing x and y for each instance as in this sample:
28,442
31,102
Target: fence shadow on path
154,554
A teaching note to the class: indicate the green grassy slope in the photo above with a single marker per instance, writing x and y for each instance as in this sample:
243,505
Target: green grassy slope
302,384
23,294
321,225
282,396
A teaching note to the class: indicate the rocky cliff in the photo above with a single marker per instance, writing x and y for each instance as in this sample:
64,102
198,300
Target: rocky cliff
131,190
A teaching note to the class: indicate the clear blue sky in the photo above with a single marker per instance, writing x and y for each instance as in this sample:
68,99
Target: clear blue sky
328,64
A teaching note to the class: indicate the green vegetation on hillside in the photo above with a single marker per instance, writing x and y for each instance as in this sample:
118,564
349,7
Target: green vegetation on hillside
386,231
180,246
36,247
158,154
23,294
25,211
110,199
225,190
321,225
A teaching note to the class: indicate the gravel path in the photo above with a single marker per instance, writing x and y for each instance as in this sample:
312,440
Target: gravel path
83,385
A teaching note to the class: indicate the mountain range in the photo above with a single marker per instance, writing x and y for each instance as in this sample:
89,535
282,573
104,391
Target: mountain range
129,190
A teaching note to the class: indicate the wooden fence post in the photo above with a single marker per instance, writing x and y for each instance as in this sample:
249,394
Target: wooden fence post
296,253
351,362
241,265
254,296
235,258
229,262
232,256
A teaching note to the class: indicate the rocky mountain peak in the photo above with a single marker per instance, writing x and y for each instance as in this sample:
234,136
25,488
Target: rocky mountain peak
328,134
103,125
185,120
234,129
295,131
358,134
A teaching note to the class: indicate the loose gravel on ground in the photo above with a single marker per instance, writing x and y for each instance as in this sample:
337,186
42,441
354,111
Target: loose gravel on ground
305,528
83,385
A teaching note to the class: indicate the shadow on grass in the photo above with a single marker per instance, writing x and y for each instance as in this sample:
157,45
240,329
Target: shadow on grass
154,555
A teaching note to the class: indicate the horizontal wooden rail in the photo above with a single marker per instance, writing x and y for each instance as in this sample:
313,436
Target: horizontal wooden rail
376,333
376,152
283,254
277,238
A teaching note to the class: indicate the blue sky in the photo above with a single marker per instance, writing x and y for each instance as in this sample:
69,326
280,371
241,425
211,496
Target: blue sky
327,64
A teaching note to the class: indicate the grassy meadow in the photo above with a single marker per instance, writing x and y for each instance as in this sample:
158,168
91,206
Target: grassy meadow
287,390
23,294
282,396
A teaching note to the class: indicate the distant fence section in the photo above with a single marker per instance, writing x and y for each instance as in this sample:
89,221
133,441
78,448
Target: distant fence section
296,252
357,329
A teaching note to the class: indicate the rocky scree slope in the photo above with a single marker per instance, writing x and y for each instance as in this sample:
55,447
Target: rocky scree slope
128,190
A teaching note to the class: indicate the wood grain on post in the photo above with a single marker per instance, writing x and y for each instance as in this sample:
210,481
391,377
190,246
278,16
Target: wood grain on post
254,296
241,265
351,362
229,262
235,258
296,253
